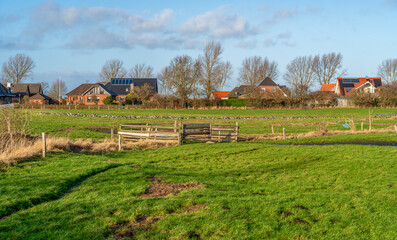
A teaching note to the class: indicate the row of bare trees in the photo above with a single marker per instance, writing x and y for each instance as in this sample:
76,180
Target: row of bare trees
114,69
186,77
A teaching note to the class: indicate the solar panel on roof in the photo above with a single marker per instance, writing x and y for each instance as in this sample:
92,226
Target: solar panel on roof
351,80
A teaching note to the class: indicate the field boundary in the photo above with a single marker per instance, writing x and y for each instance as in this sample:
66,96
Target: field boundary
180,132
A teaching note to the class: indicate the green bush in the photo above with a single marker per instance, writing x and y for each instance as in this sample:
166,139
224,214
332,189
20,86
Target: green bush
235,102
108,100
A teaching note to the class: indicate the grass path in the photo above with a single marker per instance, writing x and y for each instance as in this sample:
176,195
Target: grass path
251,191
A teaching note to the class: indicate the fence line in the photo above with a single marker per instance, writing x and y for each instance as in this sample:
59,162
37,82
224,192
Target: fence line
180,132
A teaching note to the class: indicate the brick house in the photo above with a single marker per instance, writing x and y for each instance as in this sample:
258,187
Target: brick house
20,90
118,89
40,99
345,86
267,88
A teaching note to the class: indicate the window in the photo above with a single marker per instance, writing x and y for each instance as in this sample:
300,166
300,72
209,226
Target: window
348,89
121,98
273,89
89,99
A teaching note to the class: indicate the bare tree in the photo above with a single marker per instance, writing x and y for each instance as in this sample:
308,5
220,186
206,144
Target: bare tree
142,94
387,70
225,73
301,74
45,86
328,67
58,89
182,77
112,69
18,68
165,80
141,71
210,73
255,69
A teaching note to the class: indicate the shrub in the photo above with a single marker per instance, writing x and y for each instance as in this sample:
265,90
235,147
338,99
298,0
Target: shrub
108,100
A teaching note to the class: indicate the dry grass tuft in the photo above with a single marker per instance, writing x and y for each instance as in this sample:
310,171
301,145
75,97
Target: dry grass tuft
18,147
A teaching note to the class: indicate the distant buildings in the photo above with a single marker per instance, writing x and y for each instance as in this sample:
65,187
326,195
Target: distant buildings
118,89
5,95
345,86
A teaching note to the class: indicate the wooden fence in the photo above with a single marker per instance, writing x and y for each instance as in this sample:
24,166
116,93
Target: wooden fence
150,131
180,132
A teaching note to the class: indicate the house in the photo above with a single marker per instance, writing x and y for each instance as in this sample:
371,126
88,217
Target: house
118,89
89,94
20,90
345,86
267,88
328,88
242,91
40,99
219,95
5,95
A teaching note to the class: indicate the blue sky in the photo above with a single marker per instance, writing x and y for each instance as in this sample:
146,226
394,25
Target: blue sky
73,39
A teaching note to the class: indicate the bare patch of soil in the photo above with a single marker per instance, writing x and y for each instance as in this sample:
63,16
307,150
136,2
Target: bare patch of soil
163,189
194,208
284,214
301,207
300,221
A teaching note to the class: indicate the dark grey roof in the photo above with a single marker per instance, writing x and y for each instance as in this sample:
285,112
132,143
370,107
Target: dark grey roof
26,89
267,82
241,90
138,82
80,90
4,92
119,89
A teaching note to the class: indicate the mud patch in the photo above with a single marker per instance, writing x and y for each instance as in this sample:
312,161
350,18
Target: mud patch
193,209
128,230
193,235
300,221
301,207
160,189
284,214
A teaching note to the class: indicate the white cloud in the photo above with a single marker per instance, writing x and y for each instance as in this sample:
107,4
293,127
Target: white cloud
217,23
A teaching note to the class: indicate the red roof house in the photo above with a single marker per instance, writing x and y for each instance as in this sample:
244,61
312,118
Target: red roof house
220,94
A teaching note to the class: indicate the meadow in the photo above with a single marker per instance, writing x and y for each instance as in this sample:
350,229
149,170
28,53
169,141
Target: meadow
269,189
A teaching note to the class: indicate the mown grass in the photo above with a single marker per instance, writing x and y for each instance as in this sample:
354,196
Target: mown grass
63,125
252,191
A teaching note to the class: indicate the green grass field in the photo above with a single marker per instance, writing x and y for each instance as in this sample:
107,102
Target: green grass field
251,191
291,119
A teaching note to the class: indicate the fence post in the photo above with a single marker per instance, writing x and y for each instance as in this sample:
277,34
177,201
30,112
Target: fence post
284,133
272,129
44,146
112,133
236,137
119,142
180,135
370,120
395,128
175,125
362,126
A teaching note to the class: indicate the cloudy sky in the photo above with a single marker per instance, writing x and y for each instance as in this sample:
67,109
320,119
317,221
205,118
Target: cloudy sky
73,39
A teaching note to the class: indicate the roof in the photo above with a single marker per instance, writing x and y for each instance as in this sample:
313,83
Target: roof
353,83
80,90
327,87
40,96
4,92
267,82
241,90
25,88
119,89
138,82
220,94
